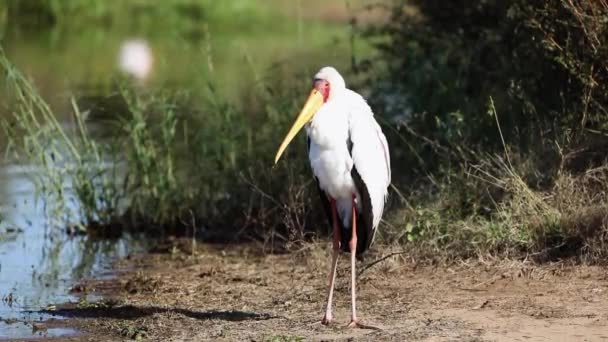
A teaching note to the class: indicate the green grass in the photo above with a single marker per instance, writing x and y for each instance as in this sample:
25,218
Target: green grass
167,165
35,133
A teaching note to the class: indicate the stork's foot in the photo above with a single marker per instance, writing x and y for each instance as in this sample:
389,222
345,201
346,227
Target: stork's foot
326,319
355,324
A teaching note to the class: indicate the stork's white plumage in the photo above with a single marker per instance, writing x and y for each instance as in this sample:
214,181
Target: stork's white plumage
350,159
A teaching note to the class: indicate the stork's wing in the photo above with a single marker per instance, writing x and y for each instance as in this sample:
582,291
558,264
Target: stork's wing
325,201
371,165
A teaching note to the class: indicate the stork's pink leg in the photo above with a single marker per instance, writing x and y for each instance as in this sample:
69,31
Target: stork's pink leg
353,251
334,263
352,244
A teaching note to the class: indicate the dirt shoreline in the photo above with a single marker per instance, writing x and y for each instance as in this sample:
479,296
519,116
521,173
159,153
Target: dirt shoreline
236,293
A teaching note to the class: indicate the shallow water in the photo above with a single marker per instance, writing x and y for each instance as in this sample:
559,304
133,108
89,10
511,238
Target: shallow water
39,265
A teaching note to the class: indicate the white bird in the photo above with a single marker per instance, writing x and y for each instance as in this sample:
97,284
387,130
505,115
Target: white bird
350,160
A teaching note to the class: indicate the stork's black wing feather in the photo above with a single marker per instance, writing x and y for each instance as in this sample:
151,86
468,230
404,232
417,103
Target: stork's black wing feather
325,202
365,217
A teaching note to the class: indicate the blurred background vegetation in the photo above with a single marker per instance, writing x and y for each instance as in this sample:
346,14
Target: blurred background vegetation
495,113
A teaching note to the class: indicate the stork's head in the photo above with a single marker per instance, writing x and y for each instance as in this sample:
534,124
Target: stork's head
327,83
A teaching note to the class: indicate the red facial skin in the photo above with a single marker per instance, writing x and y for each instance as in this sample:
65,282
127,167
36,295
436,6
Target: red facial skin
323,87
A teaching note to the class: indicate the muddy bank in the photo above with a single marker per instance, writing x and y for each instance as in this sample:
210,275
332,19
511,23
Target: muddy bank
237,293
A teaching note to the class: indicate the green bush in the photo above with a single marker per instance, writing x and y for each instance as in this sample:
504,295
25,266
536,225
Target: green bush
507,184
542,62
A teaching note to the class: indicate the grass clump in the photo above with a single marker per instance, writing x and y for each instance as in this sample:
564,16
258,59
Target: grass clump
66,154
492,208
171,164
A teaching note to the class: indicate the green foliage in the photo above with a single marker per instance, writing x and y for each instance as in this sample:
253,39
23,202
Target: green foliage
540,61
447,67
64,158
47,13
188,17
171,162
152,188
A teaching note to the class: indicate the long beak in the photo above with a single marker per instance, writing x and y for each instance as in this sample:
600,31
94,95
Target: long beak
312,105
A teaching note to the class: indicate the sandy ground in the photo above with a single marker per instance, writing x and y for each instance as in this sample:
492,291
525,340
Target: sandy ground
238,293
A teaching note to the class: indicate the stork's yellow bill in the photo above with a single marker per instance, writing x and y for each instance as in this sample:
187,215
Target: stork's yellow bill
312,105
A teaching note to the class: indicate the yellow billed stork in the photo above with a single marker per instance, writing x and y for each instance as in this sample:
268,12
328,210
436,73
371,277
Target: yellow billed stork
350,160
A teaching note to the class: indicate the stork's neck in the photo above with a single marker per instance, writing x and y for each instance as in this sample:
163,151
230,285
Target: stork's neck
334,93
329,126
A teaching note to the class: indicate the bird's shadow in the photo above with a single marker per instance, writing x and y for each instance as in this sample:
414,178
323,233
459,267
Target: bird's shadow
132,312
